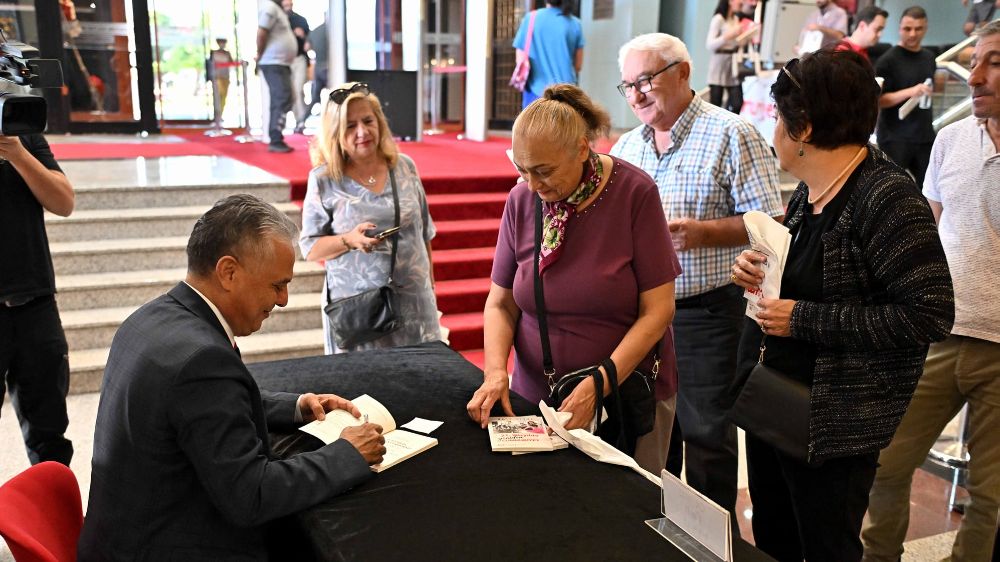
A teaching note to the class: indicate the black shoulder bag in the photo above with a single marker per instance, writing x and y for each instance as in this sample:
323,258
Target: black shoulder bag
369,315
775,409
631,407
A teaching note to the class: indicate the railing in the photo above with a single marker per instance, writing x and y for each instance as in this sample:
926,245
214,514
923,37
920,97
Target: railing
952,100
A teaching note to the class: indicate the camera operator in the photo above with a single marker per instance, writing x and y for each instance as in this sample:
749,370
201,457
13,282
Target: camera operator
33,351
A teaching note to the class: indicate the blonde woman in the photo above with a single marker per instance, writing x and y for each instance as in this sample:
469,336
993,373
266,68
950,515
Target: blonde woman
350,200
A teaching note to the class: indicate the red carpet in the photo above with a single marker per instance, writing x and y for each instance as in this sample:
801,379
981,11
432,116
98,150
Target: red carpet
466,183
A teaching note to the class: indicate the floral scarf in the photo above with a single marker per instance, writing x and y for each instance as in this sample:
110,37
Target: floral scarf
557,214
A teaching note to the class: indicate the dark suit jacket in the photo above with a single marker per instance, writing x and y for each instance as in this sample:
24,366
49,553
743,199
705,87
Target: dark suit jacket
182,468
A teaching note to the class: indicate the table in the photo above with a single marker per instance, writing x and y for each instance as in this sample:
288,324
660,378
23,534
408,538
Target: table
459,500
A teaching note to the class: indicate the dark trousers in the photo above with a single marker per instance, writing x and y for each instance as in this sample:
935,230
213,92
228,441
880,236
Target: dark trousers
279,88
912,157
320,77
35,371
808,512
706,337
734,97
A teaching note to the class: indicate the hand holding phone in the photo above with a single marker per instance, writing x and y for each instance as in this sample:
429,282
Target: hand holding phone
386,233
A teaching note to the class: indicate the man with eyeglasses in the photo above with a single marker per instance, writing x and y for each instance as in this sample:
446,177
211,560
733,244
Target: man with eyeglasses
711,166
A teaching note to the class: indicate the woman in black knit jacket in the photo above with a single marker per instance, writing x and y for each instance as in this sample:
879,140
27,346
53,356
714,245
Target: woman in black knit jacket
865,289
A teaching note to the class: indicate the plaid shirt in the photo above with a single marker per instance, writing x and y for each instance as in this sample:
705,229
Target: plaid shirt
716,166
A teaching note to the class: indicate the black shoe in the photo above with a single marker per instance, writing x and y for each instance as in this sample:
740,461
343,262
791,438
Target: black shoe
279,147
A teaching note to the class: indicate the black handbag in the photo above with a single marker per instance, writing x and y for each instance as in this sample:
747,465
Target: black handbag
371,314
631,405
774,408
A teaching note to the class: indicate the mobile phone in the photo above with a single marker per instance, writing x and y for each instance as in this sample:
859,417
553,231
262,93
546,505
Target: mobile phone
387,233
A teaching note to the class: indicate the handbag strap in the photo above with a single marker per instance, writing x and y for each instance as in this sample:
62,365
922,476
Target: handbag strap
395,205
531,30
612,372
543,326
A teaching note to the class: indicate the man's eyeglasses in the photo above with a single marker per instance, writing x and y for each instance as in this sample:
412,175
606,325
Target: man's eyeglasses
787,71
644,84
339,95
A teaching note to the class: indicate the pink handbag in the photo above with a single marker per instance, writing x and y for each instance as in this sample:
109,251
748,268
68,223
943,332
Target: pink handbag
519,79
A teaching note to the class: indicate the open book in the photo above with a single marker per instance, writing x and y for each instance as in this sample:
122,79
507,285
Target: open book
521,434
399,444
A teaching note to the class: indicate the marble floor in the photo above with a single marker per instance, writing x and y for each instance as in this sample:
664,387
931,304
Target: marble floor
165,171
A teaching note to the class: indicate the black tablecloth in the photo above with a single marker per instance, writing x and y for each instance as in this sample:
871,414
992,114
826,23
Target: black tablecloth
459,500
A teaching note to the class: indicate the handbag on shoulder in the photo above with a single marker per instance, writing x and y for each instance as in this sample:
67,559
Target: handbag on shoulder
519,78
631,405
369,315
775,409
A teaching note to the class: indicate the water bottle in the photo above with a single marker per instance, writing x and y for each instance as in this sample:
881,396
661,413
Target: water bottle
925,100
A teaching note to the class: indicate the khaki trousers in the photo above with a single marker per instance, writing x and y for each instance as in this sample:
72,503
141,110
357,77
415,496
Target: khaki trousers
651,448
958,370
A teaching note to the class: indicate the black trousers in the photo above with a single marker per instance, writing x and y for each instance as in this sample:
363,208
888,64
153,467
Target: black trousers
734,97
34,368
707,331
912,157
279,89
808,512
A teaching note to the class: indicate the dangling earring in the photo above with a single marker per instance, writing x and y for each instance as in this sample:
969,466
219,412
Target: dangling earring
802,152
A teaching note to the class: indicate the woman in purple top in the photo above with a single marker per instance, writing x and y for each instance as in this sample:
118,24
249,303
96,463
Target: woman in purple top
607,263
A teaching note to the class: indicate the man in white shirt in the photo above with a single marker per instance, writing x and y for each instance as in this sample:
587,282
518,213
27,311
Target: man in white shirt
829,20
961,187
276,49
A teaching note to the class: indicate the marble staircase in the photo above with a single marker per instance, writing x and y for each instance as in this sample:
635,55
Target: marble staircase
125,244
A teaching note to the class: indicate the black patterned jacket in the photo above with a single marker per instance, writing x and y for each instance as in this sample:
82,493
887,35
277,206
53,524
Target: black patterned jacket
887,294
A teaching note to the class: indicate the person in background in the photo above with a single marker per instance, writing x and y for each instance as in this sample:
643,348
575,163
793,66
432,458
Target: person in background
34,366
299,67
182,467
349,198
276,49
829,20
869,24
980,14
556,50
318,44
906,68
722,42
710,167
961,187
864,290
605,296
219,76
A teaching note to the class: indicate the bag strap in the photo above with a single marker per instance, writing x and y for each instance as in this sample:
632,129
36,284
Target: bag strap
612,372
543,326
395,205
531,29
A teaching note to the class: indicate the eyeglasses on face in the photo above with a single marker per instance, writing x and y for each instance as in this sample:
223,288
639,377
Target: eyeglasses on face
787,71
339,95
645,83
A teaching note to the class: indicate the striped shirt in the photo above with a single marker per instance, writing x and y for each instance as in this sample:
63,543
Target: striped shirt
717,166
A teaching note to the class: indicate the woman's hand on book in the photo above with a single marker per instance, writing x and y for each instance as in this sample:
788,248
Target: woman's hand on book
495,387
367,439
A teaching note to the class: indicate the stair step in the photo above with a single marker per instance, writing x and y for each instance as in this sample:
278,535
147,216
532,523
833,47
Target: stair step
462,295
87,365
97,224
95,328
465,206
167,182
463,263
122,254
133,288
466,330
466,233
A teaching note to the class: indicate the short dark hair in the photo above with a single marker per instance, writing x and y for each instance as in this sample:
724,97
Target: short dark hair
566,5
868,14
835,92
239,226
915,12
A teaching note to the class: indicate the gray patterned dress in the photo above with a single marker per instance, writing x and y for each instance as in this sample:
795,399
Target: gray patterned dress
332,208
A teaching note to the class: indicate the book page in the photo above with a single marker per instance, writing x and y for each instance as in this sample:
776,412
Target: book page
337,421
401,445
518,433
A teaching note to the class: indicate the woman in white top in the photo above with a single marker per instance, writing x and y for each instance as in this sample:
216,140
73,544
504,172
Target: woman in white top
721,42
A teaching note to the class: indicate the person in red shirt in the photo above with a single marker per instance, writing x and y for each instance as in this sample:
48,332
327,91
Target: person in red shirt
869,24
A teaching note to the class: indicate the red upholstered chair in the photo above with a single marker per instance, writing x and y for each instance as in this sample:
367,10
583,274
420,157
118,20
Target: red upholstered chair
41,514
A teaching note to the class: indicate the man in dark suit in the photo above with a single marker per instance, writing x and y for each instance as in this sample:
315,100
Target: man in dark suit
182,469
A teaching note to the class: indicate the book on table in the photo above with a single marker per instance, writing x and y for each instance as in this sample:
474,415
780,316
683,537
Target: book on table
521,434
399,443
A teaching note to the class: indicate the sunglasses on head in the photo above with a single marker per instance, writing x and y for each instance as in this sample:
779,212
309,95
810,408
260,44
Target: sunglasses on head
339,95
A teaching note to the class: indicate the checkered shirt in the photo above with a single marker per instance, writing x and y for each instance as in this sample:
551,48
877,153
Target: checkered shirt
716,166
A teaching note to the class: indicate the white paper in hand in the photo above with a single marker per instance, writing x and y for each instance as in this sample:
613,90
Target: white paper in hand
772,239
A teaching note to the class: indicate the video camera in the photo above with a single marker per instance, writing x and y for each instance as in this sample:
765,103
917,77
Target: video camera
24,114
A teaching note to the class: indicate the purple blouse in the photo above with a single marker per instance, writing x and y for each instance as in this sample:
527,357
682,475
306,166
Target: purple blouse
618,247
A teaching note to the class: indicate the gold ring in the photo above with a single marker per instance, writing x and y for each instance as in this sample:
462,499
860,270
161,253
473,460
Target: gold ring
733,276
